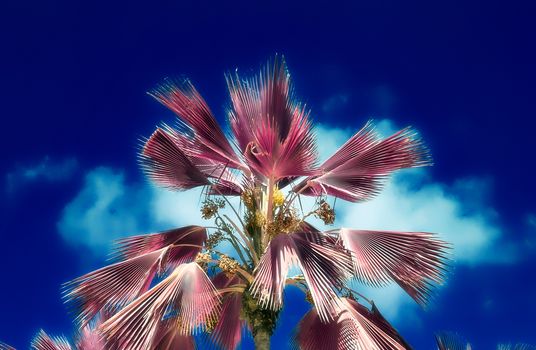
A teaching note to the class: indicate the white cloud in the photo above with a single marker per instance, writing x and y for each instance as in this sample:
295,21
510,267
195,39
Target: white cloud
47,169
168,208
410,201
408,205
106,208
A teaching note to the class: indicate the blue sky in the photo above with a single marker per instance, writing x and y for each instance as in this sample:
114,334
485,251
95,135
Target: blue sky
74,77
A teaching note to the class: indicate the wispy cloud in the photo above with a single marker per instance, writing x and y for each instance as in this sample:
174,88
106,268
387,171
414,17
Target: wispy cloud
45,170
335,103
412,201
531,220
104,209
108,207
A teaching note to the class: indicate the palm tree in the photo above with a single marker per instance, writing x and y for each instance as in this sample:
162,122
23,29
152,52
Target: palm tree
453,341
166,287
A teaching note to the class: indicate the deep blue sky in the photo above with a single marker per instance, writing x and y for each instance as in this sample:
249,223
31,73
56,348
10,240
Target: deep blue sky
73,80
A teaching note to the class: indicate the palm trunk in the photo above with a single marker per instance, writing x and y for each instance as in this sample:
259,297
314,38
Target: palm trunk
262,321
262,339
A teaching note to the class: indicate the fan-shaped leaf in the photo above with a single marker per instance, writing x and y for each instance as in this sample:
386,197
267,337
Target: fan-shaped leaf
228,330
114,285
43,341
4,346
186,296
515,347
323,265
354,327
208,140
357,171
188,241
451,341
222,178
414,260
272,130
164,162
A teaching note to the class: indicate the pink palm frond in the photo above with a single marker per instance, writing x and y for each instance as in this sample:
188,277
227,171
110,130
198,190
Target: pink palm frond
355,146
357,171
4,346
314,334
374,332
170,160
112,286
515,347
224,181
414,260
228,331
88,337
226,188
212,169
381,322
169,337
164,162
208,140
451,341
146,255
188,241
272,130
354,327
187,296
324,267
298,154
43,341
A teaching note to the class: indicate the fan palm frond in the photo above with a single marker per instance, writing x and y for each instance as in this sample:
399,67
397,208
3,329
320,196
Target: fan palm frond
355,327
357,171
43,341
414,260
208,139
187,295
323,265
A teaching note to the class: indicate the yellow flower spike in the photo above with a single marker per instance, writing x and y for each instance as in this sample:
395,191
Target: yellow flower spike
279,197
260,219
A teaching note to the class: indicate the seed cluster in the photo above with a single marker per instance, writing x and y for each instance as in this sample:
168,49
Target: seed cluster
286,221
228,264
249,197
325,213
210,208
214,239
203,259
211,323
